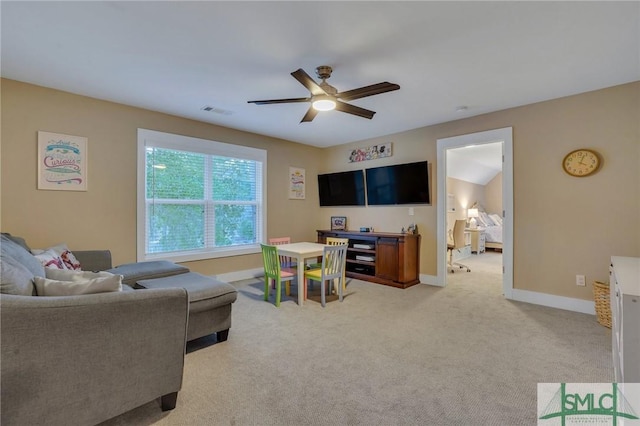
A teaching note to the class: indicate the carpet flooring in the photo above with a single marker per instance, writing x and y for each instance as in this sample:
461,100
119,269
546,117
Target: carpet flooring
459,355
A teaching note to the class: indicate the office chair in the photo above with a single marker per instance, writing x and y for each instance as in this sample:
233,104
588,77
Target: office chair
458,243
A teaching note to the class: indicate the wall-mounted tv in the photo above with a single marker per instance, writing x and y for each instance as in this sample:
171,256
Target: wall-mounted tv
342,189
398,184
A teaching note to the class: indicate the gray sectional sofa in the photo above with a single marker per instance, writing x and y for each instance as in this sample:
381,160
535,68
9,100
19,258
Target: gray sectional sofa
84,359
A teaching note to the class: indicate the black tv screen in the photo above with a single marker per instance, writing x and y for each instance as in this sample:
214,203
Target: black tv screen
342,189
398,184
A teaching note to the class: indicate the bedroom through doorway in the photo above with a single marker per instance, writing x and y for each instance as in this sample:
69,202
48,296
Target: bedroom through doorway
475,186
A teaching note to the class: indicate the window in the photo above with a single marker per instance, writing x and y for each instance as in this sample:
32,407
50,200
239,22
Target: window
198,199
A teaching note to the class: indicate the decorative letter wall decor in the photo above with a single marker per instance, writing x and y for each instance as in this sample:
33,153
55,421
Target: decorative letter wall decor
370,153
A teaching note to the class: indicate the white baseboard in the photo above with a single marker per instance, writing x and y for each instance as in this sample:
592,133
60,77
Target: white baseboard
553,301
544,299
430,280
550,300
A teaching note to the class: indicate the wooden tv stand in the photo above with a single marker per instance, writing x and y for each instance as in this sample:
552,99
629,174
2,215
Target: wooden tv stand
381,257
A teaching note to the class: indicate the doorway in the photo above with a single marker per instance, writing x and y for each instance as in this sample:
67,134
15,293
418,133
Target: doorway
505,138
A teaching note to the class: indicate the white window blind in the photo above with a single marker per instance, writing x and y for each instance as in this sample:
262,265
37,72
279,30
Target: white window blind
197,198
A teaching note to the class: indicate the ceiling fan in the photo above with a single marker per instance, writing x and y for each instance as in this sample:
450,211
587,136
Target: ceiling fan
325,97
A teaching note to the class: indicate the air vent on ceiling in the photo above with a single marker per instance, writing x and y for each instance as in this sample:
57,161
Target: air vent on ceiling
215,110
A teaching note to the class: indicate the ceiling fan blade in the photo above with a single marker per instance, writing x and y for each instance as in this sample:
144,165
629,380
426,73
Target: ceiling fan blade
362,92
310,115
308,82
355,110
279,101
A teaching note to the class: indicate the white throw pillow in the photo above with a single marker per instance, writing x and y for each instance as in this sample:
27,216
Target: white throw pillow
77,276
484,219
496,219
65,255
49,287
49,258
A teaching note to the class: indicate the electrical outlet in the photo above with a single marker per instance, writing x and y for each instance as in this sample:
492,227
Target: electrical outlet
581,281
410,211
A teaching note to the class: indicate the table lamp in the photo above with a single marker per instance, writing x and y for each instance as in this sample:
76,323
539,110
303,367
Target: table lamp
472,213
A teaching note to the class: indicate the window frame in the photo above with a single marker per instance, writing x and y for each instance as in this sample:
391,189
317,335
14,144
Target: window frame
152,138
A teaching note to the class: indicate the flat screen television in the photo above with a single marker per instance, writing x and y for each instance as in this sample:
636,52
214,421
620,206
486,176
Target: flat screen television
342,189
398,184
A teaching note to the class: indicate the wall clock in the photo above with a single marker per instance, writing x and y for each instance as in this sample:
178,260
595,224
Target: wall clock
581,162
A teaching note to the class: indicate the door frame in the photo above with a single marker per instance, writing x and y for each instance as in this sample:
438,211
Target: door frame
504,135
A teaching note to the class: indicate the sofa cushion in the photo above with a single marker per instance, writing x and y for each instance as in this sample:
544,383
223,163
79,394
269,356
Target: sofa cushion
133,272
16,278
18,268
101,284
94,260
18,240
200,288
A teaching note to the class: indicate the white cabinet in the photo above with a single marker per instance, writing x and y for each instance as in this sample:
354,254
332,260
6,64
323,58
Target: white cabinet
477,240
625,318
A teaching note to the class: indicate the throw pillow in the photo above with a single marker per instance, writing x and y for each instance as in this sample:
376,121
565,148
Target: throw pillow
49,259
48,287
484,219
70,260
77,276
496,219
65,255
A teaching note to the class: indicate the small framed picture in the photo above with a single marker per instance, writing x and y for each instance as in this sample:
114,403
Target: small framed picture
338,223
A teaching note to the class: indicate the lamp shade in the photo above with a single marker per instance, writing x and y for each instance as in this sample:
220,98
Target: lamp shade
472,213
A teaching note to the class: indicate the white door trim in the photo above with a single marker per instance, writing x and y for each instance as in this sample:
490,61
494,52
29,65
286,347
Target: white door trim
504,135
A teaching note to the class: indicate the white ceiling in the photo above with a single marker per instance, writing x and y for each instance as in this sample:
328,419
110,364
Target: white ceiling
475,163
177,57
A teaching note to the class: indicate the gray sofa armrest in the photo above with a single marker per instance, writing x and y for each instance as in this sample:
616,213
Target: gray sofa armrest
93,260
85,359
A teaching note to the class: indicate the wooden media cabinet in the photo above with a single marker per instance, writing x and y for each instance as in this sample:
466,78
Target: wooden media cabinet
380,257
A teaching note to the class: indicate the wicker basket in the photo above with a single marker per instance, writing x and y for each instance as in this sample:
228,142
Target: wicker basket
603,303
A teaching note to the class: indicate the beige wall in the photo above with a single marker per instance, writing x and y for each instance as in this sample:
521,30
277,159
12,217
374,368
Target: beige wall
105,215
563,226
466,194
493,195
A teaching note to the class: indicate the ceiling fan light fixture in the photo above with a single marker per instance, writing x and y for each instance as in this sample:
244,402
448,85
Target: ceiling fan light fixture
324,97
324,103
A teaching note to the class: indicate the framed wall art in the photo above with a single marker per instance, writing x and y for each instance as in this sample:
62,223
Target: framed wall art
296,183
338,223
62,162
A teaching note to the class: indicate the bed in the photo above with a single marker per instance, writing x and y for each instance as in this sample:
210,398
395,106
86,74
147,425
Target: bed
492,224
